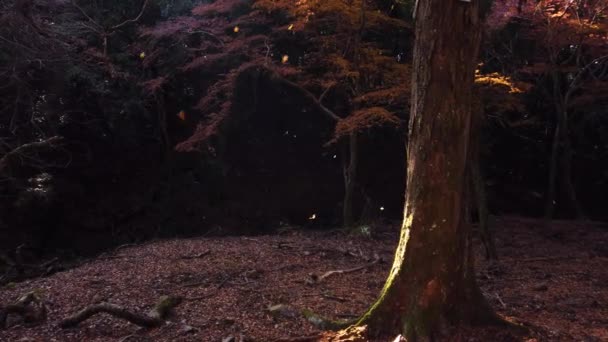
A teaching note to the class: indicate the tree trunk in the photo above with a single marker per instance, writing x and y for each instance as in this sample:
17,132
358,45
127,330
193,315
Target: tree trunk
477,194
557,135
350,171
566,171
165,142
431,285
561,163
350,178
481,201
550,197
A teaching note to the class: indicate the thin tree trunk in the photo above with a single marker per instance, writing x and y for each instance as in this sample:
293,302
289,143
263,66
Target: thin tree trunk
566,174
350,171
479,192
162,127
561,163
558,101
431,285
350,178
550,198
477,185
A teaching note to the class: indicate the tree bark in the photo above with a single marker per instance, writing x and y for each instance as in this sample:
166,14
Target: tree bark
431,285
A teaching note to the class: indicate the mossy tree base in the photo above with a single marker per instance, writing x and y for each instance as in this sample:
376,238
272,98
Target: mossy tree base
431,287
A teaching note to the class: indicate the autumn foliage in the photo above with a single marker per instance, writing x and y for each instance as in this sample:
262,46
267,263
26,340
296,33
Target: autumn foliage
232,95
328,48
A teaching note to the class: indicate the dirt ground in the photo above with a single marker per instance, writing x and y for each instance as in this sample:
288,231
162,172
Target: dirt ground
553,280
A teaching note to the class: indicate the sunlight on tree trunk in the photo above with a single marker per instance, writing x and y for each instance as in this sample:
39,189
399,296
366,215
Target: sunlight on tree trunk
431,285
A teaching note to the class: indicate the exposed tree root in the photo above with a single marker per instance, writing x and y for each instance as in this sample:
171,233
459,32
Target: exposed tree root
154,318
29,307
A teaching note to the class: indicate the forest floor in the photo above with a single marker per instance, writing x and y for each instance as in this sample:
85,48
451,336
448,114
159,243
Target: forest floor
553,280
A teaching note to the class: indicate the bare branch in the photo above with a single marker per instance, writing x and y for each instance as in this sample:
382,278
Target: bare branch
209,34
306,94
128,21
574,85
325,92
22,150
99,27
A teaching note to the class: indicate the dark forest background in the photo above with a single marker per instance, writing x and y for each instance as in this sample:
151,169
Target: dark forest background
122,121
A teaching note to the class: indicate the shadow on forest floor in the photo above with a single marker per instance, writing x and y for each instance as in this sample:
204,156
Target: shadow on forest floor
551,278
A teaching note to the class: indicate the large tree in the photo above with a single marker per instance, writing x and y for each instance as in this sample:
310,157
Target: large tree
431,285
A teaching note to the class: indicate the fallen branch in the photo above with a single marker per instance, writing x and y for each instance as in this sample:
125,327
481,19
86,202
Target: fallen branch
29,307
336,298
154,318
318,279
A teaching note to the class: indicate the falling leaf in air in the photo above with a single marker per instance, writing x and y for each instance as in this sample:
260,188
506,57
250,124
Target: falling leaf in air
142,55
181,115
236,29
285,59
290,27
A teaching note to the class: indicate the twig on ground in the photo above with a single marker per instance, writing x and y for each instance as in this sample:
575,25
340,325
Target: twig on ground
126,338
195,284
196,256
112,254
557,258
126,245
338,299
224,281
317,279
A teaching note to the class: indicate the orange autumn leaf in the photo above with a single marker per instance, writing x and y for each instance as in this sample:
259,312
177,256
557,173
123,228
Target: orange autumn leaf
181,115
